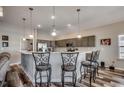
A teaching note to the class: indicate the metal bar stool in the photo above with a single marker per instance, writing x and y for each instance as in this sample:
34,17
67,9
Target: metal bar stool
69,61
90,66
42,64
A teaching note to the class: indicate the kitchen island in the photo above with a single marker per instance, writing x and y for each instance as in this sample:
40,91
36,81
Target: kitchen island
28,64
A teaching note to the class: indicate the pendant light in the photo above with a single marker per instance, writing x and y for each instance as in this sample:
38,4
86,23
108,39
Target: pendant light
31,35
53,26
24,19
79,35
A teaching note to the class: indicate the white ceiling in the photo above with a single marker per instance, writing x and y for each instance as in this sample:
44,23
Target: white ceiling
90,17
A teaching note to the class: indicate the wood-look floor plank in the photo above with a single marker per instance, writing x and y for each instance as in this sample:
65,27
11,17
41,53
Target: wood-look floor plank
106,78
115,73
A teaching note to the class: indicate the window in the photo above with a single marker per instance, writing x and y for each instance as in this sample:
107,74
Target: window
121,46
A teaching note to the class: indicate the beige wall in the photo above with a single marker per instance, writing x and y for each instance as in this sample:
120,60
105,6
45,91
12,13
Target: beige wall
15,34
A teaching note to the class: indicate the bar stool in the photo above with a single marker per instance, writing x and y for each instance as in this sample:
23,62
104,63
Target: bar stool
42,64
90,66
69,61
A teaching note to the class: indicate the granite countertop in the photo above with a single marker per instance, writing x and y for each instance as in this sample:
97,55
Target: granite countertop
30,52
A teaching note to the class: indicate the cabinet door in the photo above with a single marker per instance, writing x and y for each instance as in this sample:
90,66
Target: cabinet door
63,43
60,43
91,41
56,43
48,43
71,41
85,42
78,42
52,43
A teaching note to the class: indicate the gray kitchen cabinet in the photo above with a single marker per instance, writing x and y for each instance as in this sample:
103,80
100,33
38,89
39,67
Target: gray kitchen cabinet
72,42
78,42
52,43
60,43
57,43
88,41
63,43
91,41
84,42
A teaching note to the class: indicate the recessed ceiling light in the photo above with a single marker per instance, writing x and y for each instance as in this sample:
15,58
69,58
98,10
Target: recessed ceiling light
52,17
79,36
69,25
1,11
39,26
31,36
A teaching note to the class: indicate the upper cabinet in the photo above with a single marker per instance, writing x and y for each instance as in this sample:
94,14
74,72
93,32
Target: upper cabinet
84,42
88,41
52,43
91,41
60,43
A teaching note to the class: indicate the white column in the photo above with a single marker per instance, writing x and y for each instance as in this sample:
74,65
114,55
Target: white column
35,40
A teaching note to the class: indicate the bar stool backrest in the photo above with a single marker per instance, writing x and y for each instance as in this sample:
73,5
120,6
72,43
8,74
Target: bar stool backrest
92,56
96,55
88,56
69,59
41,58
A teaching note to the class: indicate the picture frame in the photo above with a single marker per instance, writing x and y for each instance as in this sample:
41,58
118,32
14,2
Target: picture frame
105,41
5,44
5,38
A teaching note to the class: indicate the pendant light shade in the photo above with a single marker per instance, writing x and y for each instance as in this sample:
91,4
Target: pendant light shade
79,35
53,17
31,35
53,33
53,26
24,19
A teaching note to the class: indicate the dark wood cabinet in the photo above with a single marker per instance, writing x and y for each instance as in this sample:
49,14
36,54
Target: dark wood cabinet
60,43
78,42
52,43
91,41
88,41
71,42
84,42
